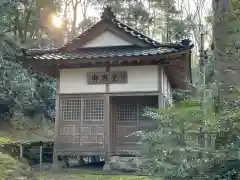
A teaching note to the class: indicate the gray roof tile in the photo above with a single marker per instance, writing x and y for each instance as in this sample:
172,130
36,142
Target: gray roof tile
102,52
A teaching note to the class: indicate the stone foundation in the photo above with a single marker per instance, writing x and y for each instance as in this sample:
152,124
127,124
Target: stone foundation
128,164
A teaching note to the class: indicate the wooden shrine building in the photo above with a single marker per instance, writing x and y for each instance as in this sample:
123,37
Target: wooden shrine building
106,76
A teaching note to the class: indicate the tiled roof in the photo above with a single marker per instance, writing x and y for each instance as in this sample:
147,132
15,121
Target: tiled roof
101,52
111,20
134,32
153,47
123,27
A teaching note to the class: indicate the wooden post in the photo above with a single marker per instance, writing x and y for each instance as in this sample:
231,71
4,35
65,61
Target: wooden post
21,150
55,156
107,131
160,86
107,126
40,155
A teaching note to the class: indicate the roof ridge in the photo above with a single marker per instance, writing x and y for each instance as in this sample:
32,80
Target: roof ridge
109,47
109,17
138,32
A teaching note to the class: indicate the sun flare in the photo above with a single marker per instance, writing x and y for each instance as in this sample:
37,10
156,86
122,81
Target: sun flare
57,21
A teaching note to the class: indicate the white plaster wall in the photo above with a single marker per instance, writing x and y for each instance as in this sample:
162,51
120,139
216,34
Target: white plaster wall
75,81
140,78
107,39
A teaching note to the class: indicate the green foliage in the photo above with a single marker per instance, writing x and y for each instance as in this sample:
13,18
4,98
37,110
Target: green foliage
187,141
226,27
181,95
21,89
199,132
180,29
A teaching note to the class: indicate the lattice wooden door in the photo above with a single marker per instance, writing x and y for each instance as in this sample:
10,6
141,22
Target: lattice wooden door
81,126
130,118
126,124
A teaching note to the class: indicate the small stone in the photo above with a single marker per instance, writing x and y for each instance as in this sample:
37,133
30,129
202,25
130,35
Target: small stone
21,178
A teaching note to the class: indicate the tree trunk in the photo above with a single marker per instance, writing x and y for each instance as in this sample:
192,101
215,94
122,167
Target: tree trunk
225,35
74,21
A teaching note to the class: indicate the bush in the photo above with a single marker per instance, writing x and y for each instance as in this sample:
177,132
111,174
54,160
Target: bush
193,137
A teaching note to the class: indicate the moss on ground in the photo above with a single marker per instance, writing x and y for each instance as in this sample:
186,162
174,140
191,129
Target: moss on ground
11,168
4,140
75,176
21,128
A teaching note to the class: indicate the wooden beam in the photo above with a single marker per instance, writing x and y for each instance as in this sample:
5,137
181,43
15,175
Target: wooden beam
112,64
134,93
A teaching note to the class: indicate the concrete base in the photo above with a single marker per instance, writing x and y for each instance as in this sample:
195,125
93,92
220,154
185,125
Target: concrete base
128,164
55,167
56,164
106,167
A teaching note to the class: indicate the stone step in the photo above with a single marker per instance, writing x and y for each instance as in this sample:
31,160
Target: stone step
128,164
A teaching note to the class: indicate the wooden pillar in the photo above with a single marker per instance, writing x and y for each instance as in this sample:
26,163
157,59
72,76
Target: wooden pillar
160,87
40,155
107,131
107,125
113,126
55,156
21,150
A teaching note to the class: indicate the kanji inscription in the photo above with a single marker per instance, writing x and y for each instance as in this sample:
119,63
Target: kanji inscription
115,77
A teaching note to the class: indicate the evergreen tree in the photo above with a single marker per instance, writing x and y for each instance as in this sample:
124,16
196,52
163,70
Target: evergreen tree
226,45
20,28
